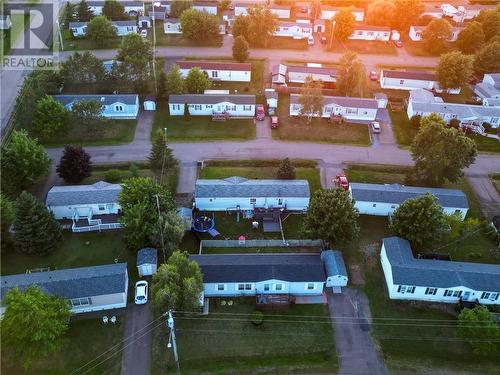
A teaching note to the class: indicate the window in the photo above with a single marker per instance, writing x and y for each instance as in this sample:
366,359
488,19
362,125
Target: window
485,295
448,293
221,287
401,81
406,289
77,302
176,107
371,33
457,293
253,200
278,287
215,73
102,207
266,288
130,28
353,111
118,108
247,107
374,204
230,108
310,286
393,206
109,206
244,286
494,296
386,34
208,106
280,201
431,291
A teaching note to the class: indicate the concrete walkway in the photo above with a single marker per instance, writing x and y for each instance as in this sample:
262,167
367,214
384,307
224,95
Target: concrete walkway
136,357
356,350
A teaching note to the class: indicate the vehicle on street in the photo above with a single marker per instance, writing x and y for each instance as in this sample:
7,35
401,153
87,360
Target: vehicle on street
259,112
398,43
323,40
274,122
144,33
375,127
141,292
310,40
341,181
373,76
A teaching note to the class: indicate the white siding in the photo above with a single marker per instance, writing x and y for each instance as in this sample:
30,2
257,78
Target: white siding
66,212
370,35
236,110
406,84
263,287
206,8
246,203
172,27
295,31
281,13
336,280
349,113
224,75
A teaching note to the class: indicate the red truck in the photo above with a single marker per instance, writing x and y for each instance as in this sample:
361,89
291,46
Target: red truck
259,112
341,181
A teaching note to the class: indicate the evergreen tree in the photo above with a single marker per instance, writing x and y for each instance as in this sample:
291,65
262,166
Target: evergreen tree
83,12
36,232
7,215
286,170
240,49
187,115
174,83
161,156
74,165
162,86
68,14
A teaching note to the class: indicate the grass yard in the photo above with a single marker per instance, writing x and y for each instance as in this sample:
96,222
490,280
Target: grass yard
167,40
365,47
277,42
202,128
111,132
486,144
320,130
495,179
85,340
83,43
226,342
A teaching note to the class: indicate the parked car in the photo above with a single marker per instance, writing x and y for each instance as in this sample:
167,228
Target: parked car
341,181
310,40
375,126
141,292
144,33
274,122
398,43
259,112
373,75
323,40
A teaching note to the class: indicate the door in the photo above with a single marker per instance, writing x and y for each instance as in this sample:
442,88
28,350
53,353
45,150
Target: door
466,296
320,29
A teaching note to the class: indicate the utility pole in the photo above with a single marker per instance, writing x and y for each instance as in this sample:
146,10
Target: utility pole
173,342
154,46
161,229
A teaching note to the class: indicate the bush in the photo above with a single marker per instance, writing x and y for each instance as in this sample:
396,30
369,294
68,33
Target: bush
134,170
113,176
454,123
257,318
487,127
415,121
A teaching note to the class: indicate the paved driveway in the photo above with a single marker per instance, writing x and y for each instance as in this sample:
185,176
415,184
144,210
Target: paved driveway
356,349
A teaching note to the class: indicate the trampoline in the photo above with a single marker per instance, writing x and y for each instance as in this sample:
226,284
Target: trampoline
203,224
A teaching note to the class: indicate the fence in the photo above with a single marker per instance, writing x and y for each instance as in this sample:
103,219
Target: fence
260,243
98,227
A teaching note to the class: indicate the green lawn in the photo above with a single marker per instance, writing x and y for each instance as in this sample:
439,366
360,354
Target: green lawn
85,340
320,130
495,179
166,40
278,42
202,128
83,43
364,47
293,341
110,132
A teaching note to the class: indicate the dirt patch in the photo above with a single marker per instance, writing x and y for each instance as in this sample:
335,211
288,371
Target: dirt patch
356,275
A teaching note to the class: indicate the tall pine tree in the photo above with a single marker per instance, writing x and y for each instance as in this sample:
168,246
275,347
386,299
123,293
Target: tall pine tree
36,232
286,170
83,11
161,156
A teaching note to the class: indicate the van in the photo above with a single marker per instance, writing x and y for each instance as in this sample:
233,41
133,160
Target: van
310,40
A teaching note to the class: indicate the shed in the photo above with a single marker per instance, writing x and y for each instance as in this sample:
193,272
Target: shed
336,273
147,261
150,103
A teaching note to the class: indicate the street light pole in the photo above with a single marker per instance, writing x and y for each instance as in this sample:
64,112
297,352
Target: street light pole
170,323
161,229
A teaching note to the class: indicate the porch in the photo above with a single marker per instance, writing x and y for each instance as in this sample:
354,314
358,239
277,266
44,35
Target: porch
92,223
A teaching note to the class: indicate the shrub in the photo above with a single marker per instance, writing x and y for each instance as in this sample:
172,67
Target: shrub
454,123
487,127
257,318
415,121
134,170
113,176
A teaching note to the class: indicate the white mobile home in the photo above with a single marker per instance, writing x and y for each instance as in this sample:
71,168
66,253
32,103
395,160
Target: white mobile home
132,8
295,30
281,11
351,109
410,278
384,199
410,80
219,71
298,74
210,104
238,193
369,32
86,289
206,6
298,275
489,87
415,33
117,107
78,29
329,12
241,9
124,27
172,26
335,269
90,207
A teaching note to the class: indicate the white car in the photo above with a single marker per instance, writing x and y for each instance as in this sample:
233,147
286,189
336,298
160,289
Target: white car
144,33
375,126
310,41
141,292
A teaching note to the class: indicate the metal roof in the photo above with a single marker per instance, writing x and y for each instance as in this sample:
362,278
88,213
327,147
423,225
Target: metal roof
103,99
342,101
72,282
332,72
407,270
123,23
415,75
292,24
462,111
239,187
334,263
77,24
100,192
397,194
371,27
215,65
211,99
148,255
296,267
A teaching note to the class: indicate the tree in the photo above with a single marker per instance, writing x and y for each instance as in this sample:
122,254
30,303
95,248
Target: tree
332,217
23,162
381,12
51,119
136,55
345,24
488,59
83,11
490,22
197,81
454,70
6,218
242,27
351,76
420,220
177,284
174,83
436,34
171,227
178,7
162,85
406,13
415,121
286,170
85,111
471,39
440,153
113,10
240,49
139,226
161,157
100,30
310,99
256,27
36,232
478,328
199,26
34,323
74,165
187,114
68,14
82,68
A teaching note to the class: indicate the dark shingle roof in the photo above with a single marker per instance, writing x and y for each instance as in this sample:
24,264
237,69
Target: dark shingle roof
234,187
397,194
416,75
372,27
242,67
406,270
100,192
124,23
103,99
260,267
72,282
77,24
148,255
343,101
334,263
211,99
312,70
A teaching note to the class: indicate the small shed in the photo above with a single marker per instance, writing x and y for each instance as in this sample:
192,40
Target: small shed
147,261
144,22
150,103
336,273
186,215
